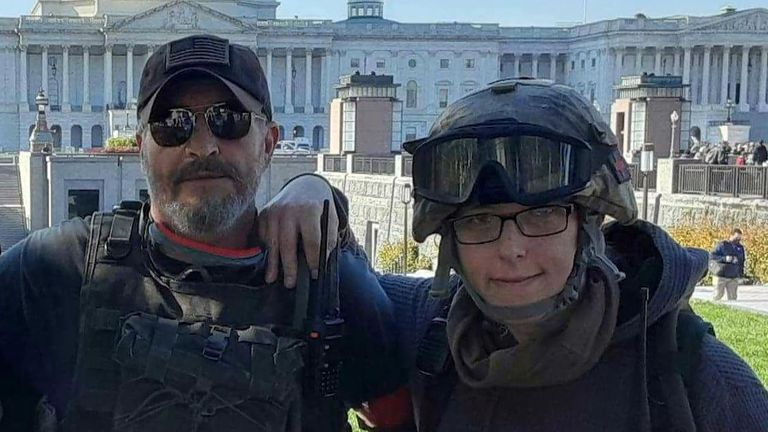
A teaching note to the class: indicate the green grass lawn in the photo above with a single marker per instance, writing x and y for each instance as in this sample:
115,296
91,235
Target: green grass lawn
745,332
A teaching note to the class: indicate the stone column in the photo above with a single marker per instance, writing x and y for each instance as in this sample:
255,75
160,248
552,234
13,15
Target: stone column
516,65
617,68
269,68
687,66
23,86
535,65
553,66
65,106
325,82
744,103
44,79
705,75
86,79
308,107
107,77
763,78
129,78
638,60
657,61
726,69
288,81
676,61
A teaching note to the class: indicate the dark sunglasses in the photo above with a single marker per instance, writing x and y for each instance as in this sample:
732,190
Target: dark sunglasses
179,124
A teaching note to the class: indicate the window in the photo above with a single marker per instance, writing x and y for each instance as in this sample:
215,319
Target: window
82,202
370,11
97,136
410,133
469,63
583,63
355,63
594,62
445,63
376,11
380,64
412,63
411,94
573,65
143,195
442,97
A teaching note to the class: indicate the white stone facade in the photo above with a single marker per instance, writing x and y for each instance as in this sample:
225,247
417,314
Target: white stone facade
88,47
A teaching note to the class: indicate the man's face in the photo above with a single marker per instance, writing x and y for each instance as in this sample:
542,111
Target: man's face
203,186
736,238
516,270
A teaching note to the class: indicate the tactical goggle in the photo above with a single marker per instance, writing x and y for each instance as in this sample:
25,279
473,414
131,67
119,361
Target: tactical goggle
535,165
178,125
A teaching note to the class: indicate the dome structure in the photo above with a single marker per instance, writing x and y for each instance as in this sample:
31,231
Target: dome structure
365,9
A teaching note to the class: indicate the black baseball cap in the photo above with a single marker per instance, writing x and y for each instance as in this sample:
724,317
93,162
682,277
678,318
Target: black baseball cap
236,66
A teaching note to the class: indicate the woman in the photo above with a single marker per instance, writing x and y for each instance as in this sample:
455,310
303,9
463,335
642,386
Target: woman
552,322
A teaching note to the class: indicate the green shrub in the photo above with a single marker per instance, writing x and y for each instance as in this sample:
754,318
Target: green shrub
707,236
121,145
390,258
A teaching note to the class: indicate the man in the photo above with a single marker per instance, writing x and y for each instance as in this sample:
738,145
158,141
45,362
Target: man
160,317
727,264
760,155
541,318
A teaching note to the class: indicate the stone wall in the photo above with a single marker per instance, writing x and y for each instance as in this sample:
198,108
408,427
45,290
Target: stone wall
375,199
116,178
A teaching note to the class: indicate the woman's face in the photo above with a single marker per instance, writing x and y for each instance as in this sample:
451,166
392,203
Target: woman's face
515,269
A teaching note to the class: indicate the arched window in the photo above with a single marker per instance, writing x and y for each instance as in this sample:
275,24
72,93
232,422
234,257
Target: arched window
97,137
318,136
411,94
56,132
76,137
298,131
282,133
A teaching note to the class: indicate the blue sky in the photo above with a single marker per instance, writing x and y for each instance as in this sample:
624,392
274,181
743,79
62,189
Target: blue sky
505,12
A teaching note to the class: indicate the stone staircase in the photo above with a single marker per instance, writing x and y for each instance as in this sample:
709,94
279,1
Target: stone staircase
12,228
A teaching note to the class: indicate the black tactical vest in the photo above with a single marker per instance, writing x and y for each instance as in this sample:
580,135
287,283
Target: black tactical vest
159,355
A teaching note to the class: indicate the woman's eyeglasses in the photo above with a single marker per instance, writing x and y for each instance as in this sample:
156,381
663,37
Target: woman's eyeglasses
534,222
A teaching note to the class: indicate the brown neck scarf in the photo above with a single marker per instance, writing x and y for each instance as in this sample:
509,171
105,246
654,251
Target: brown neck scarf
557,350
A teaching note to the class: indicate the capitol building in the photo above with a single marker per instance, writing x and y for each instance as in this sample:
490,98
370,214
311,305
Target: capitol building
87,56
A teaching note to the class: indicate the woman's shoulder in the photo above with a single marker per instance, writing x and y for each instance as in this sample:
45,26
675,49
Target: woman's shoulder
725,392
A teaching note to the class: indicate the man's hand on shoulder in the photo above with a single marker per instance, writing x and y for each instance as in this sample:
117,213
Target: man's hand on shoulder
293,215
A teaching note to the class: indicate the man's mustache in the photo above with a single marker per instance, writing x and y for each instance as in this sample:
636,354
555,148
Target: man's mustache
207,167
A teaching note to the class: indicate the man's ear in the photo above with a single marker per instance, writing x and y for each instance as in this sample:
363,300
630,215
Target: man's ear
271,138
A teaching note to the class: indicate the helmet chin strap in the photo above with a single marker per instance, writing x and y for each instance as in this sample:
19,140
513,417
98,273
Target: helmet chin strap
590,253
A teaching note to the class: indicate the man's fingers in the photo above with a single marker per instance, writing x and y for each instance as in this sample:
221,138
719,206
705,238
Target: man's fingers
272,237
288,238
311,239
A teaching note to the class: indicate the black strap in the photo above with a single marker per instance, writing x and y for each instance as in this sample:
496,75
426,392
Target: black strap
676,340
436,375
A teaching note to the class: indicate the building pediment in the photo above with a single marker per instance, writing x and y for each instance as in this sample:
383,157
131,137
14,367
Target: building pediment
750,21
181,16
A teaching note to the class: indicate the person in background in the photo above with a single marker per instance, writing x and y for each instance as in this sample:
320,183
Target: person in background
760,155
729,256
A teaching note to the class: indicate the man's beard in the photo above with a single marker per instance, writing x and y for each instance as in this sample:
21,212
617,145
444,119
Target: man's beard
213,215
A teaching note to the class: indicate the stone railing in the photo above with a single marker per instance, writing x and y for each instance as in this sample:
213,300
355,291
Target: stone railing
723,180
395,165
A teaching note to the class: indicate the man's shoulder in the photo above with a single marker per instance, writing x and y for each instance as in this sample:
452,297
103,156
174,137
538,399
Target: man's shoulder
50,254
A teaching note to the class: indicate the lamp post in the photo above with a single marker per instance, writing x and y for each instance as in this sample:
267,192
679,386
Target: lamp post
729,105
646,167
674,117
405,198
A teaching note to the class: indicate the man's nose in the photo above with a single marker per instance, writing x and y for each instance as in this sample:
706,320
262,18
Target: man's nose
202,143
512,243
